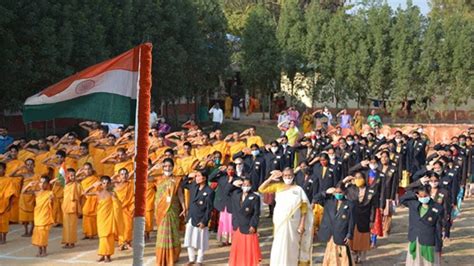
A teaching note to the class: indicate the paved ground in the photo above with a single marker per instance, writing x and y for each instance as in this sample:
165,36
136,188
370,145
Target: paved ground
391,251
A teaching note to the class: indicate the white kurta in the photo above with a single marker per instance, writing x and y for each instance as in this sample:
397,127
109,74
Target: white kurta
288,246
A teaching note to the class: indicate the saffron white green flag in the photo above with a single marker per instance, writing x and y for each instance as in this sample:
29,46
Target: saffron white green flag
104,92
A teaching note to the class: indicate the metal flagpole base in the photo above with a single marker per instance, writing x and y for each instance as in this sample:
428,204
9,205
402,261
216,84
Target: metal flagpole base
138,240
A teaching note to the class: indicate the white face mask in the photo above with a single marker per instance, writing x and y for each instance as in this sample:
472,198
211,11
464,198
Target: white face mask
398,140
332,156
246,189
274,149
373,166
420,130
167,173
284,145
288,181
350,142
255,152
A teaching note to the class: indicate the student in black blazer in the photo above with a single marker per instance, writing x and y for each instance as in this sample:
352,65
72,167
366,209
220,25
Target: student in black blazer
363,199
424,227
225,175
245,248
337,226
439,195
304,179
196,238
255,164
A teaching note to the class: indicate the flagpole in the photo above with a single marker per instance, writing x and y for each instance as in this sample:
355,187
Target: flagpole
142,126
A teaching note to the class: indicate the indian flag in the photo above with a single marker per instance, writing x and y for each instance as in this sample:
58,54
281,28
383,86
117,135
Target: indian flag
104,92
62,175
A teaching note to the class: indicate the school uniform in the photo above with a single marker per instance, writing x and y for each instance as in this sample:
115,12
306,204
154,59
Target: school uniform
337,225
363,213
323,178
245,248
256,168
222,203
424,231
288,154
306,182
442,197
416,154
200,207
306,154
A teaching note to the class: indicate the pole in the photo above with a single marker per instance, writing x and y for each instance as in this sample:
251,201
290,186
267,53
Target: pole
142,126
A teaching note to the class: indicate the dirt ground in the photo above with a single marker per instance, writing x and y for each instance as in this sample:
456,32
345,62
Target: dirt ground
390,251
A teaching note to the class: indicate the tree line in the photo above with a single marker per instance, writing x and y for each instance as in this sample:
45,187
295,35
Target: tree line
373,51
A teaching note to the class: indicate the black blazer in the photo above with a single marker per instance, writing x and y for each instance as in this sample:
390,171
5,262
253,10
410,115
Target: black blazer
200,205
273,161
338,224
222,200
256,168
306,185
246,214
426,229
364,212
322,183
390,184
288,154
377,186
306,154
443,198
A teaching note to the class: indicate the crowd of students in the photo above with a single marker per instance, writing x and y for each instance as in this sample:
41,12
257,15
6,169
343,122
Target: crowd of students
339,190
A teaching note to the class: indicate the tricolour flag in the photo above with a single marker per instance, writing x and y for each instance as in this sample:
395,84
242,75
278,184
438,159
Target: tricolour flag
61,177
104,92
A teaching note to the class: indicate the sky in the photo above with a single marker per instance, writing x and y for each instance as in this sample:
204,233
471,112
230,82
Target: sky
422,4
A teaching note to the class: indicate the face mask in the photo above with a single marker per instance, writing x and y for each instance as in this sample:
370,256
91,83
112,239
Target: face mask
217,161
424,200
332,156
398,140
284,145
246,189
434,184
324,163
420,130
438,172
338,196
274,149
462,143
373,166
288,181
359,182
350,142
255,152
230,172
167,173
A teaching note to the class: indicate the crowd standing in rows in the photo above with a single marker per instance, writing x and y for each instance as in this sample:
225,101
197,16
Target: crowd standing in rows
318,184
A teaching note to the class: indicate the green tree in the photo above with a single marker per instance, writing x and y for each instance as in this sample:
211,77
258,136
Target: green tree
317,21
291,33
260,51
405,52
379,22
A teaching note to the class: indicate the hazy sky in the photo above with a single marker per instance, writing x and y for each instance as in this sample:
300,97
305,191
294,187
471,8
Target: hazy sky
422,4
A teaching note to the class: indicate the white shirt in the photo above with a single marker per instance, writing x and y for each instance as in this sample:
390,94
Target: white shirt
153,119
217,115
